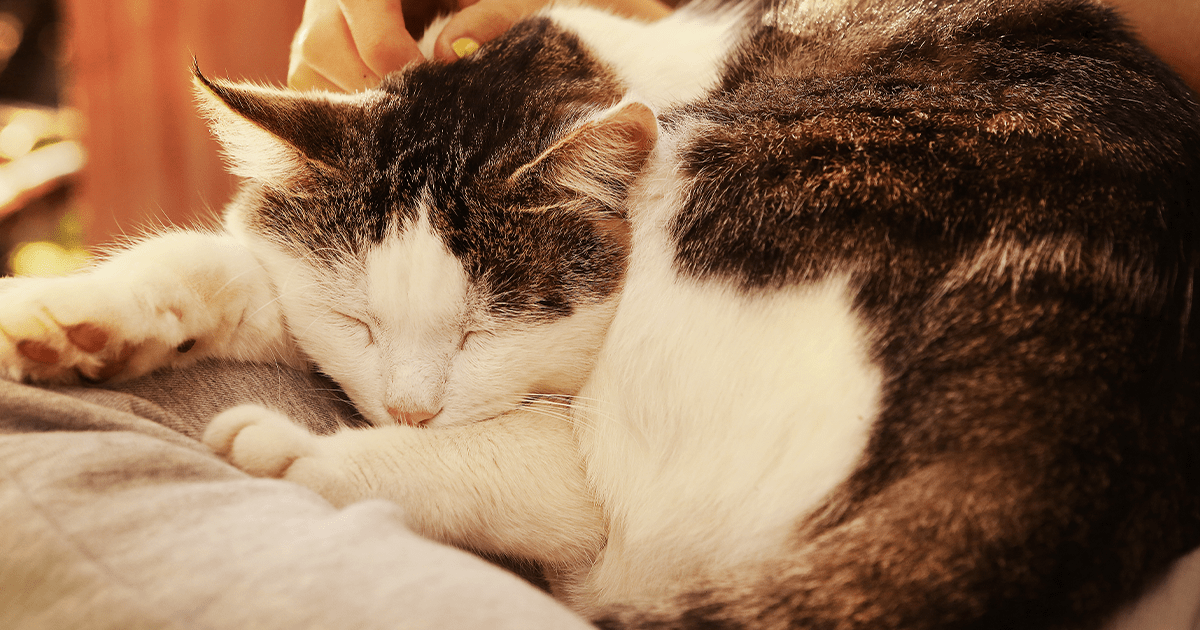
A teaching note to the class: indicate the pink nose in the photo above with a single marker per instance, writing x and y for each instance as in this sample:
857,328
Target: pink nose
412,418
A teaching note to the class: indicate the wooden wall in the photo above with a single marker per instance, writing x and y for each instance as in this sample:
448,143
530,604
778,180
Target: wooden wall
150,158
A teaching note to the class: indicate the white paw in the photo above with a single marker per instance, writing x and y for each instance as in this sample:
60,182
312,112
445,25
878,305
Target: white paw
265,443
262,442
84,328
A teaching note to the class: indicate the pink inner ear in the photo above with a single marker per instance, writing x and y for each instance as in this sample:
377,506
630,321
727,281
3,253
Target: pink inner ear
596,154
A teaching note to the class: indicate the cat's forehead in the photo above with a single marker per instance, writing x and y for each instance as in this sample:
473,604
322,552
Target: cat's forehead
434,128
413,279
505,101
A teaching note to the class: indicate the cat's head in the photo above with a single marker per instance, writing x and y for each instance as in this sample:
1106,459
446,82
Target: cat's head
454,241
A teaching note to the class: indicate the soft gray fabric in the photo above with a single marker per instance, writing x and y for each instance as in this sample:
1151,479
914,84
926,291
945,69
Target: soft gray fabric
112,517
185,400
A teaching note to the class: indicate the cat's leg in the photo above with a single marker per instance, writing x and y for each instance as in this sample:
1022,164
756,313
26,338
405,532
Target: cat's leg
513,486
171,299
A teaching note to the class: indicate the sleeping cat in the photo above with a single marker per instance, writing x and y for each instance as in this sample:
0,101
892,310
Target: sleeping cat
803,314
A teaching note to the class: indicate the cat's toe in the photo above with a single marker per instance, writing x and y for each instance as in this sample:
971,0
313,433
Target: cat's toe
60,331
77,329
35,346
257,440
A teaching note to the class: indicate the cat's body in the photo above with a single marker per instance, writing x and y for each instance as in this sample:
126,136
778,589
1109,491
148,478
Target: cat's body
886,322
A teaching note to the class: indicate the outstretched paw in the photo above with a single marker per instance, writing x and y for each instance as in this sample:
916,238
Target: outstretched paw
67,330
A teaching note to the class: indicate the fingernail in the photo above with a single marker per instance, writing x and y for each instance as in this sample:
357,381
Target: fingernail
464,46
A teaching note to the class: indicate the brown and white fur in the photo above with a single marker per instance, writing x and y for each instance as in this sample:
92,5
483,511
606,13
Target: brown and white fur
856,314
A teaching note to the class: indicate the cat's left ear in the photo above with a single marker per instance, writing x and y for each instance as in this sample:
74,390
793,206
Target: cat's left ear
278,136
598,160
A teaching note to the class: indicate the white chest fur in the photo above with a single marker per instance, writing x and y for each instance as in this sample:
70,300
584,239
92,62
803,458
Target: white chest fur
707,401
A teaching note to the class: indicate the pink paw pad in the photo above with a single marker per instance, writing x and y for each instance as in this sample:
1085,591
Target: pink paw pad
37,352
87,337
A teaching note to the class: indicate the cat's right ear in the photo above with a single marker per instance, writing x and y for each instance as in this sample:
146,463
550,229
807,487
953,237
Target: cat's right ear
278,136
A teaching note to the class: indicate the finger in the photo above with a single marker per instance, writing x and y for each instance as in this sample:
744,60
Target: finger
324,44
377,29
420,14
483,20
647,10
479,23
303,77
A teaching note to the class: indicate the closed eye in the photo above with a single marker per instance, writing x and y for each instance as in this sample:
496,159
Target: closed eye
350,319
471,335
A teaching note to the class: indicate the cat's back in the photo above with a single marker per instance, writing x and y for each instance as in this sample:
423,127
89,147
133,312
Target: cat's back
911,267
857,132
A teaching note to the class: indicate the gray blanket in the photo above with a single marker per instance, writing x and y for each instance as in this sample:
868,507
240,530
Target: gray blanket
112,515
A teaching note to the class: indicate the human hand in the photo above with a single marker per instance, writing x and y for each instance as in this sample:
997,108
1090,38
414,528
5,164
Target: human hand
349,45
479,21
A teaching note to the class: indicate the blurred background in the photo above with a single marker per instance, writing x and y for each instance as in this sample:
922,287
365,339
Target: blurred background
99,138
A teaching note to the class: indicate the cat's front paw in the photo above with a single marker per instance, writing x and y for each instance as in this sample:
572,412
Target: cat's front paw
67,330
264,443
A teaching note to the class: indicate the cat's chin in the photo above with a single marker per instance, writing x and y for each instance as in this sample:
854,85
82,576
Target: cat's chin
451,419
441,420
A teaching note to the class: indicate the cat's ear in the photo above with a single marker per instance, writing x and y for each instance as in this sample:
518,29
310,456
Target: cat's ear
597,160
277,136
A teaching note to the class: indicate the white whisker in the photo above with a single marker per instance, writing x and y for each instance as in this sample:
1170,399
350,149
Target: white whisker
550,405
